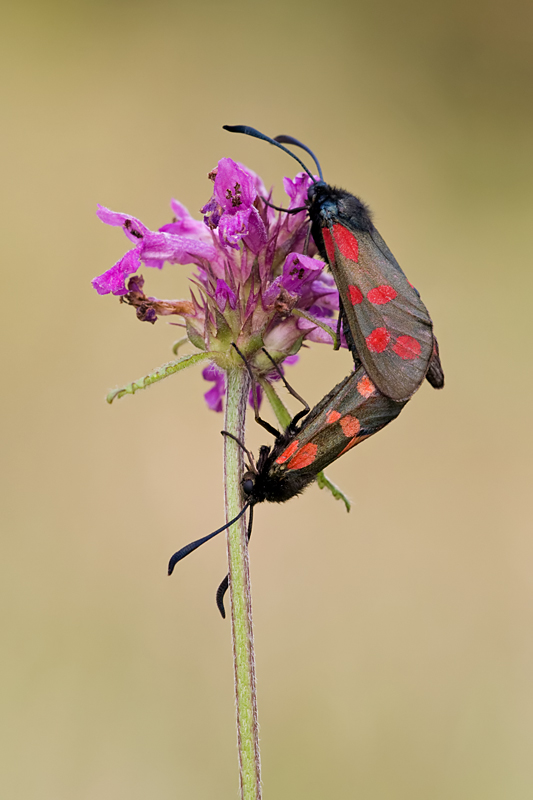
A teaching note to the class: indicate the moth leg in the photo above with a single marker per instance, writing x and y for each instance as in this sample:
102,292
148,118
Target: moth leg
251,462
264,424
337,344
290,390
308,236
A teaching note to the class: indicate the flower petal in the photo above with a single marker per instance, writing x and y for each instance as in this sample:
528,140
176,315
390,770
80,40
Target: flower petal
133,227
214,396
299,270
114,280
161,247
224,294
234,186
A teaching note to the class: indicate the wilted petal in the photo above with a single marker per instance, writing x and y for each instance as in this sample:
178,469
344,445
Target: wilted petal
114,280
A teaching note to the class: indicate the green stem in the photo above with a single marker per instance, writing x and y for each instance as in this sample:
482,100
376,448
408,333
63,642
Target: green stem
240,592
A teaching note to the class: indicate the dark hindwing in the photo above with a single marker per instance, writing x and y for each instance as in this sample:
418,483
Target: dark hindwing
348,415
388,322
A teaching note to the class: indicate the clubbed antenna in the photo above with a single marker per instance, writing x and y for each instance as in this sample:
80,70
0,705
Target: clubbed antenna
258,135
296,143
189,548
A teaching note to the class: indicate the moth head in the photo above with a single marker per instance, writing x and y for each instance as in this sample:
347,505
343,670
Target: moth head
248,483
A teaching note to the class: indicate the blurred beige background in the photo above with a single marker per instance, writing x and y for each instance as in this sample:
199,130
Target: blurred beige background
394,644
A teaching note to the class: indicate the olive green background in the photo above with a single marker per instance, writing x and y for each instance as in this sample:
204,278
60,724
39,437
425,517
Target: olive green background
394,644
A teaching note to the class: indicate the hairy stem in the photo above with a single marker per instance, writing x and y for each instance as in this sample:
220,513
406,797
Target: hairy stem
240,592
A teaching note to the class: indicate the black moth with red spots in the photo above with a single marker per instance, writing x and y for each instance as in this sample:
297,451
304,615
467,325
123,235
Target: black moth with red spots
386,324
350,413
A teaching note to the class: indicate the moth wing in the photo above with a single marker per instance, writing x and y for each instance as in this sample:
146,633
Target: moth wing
349,414
389,323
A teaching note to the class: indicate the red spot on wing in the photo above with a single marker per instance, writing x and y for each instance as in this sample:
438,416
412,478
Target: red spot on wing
382,294
407,348
378,340
353,442
350,425
332,416
328,242
365,387
304,457
345,241
290,451
356,295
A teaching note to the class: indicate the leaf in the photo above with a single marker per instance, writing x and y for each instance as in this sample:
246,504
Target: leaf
325,483
158,375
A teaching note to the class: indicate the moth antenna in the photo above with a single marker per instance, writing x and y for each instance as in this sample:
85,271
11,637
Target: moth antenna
258,135
296,143
189,548
223,588
286,210
221,591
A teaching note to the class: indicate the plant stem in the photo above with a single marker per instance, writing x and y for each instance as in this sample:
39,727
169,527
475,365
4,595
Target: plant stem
240,592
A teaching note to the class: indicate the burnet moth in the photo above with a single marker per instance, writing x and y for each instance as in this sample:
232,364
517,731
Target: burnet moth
346,416
386,324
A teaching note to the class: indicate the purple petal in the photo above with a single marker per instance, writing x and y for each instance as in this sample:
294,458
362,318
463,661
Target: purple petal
283,336
258,394
161,247
133,227
297,189
233,228
114,280
224,294
257,235
234,186
299,270
271,294
184,224
316,334
214,396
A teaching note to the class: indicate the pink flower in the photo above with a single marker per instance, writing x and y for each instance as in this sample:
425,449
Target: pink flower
252,274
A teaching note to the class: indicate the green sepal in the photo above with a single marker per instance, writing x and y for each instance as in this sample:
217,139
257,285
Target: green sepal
158,375
194,337
176,346
325,483
297,312
224,333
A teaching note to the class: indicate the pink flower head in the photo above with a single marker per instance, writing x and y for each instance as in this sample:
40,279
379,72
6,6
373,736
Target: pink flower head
252,274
